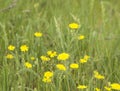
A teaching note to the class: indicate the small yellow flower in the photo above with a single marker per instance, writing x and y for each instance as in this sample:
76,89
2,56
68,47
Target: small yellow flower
38,34
9,56
115,86
28,65
81,87
98,76
97,89
74,25
46,80
45,58
81,37
63,56
83,60
32,58
52,53
107,88
24,48
48,74
11,47
61,67
74,66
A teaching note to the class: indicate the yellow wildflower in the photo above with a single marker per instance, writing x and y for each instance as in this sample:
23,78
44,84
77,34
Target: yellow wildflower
61,67
9,56
52,53
97,89
63,56
28,65
45,58
81,37
83,60
74,25
81,87
48,74
38,34
107,88
11,47
98,76
115,86
32,58
24,48
74,66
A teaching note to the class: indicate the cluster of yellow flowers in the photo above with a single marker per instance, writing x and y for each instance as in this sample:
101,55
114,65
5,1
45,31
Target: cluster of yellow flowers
47,77
75,26
45,58
9,55
52,53
62,57
85,59
113,86
98,76
28,65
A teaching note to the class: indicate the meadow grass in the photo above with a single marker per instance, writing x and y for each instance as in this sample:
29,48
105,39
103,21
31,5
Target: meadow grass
100,25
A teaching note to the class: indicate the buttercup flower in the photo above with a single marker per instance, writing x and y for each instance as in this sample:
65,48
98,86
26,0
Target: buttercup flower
81,87
115,86
98,76
85,59
24,48
11,47
9,56
74,25
48,74
52,53
63,56
81,37
74,66
28,65
45,58
38,34
61,67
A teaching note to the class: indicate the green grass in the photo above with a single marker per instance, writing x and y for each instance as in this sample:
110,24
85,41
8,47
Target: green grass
100,24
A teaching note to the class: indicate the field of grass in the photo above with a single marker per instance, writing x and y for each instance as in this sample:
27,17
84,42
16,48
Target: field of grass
41,51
